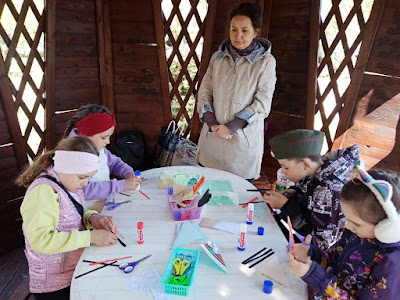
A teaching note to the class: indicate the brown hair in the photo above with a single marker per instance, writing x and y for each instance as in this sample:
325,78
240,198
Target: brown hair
85,111
358,195
251,10
42,162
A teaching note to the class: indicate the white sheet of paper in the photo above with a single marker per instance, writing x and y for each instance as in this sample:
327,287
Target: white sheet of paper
228,226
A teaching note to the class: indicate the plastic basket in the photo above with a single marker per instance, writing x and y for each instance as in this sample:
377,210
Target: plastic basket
183,214
193,257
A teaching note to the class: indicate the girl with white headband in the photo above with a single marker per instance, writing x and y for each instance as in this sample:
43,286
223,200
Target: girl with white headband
98,124
366,262
55,225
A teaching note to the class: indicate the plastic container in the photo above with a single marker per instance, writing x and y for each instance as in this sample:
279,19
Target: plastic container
183,214
282,183
181,253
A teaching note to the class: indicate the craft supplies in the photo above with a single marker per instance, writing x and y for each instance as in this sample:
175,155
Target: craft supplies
103,266
106,261
250,213
242,237
211,249
140,191
251,201
112,205
260,230
291,236
179,207
259,256
128,267
140,237
180,271
137,175
267,286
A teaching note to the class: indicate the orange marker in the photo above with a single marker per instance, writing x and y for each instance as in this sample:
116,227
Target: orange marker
251,201
115,229
291,236
108,260
144,194
198,185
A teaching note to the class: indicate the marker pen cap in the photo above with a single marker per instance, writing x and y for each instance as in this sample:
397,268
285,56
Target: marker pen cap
268,285
260,231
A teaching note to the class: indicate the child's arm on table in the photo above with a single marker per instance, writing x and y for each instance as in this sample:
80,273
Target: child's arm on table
40,213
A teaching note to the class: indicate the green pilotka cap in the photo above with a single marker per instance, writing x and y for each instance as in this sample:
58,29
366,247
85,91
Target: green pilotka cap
297,143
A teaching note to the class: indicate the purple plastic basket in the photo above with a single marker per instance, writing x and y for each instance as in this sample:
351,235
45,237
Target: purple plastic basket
183,214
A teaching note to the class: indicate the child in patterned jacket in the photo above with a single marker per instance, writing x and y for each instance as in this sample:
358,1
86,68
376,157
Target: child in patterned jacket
367,258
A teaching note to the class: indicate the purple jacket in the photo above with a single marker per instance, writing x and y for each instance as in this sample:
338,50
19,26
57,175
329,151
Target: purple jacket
362,269
104,189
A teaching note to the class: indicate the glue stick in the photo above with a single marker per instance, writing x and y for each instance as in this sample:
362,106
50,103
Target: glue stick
242,237
137,175
140,239
250,213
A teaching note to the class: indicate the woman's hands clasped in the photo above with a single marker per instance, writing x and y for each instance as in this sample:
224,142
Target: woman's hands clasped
222,132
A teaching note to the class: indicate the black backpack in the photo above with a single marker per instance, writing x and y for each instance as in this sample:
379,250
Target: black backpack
130,147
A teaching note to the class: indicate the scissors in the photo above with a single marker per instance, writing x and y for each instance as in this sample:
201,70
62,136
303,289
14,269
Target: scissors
298,235
180,266
128,267
112,205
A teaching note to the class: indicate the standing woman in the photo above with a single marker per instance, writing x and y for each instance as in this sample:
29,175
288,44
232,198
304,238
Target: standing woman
235,97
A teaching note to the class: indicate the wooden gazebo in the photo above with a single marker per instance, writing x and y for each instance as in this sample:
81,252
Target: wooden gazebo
144,60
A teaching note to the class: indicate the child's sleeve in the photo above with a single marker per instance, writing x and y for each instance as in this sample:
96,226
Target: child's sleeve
86,215
40,214
117,165
103,189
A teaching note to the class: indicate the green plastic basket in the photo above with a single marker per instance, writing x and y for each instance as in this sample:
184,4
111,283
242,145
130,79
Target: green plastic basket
193,257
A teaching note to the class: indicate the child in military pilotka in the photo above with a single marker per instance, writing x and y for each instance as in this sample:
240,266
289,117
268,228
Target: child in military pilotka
313,203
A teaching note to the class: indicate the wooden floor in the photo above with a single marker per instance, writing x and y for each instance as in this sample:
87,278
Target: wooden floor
14,279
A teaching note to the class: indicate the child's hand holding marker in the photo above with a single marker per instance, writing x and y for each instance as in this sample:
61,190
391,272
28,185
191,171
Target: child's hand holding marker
102,237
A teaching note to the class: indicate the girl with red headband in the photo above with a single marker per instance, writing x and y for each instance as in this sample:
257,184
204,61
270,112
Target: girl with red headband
55,224
97,123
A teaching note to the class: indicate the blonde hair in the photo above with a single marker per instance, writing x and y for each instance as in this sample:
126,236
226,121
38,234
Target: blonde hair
42,162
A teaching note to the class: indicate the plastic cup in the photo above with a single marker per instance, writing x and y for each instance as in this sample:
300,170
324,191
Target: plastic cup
268,285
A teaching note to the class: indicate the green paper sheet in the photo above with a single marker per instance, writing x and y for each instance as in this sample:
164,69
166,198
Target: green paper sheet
222,193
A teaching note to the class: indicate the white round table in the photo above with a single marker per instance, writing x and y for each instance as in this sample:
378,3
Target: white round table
160,233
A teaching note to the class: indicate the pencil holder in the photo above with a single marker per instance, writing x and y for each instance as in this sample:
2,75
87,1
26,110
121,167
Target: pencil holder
170,283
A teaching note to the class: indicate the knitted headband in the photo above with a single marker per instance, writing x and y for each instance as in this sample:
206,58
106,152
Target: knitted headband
75,162
387,230
95,123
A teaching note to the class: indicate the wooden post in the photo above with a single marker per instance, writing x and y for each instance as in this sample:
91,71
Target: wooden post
205,57
50,75
162,61
315,20
103,20
362,60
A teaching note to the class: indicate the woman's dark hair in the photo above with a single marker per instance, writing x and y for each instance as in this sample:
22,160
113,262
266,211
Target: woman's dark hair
251,10
358,195
85,111
42,162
